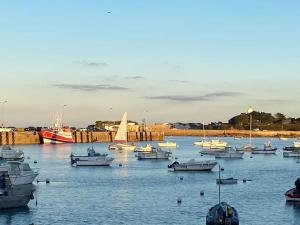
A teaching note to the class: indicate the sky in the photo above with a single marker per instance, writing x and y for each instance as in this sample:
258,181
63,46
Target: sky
166,61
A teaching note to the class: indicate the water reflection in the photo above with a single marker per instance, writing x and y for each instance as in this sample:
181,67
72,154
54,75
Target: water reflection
8,215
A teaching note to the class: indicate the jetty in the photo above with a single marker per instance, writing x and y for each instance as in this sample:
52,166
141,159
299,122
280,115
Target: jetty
32,137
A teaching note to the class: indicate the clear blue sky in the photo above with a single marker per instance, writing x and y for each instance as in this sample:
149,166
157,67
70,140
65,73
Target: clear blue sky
163,60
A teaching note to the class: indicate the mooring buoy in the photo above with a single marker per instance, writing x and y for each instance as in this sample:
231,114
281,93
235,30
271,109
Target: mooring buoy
47,181
201,193
179,200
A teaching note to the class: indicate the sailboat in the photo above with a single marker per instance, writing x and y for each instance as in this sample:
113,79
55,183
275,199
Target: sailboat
214,144
222,213
248,147
121,137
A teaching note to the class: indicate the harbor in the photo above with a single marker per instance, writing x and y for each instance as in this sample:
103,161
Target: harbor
108,195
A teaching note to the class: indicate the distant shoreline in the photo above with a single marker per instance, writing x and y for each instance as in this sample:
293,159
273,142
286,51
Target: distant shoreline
231,133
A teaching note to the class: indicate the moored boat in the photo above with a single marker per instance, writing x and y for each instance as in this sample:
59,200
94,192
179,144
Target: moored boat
154,154
294,193
222,214
147,148
193,165
268,149
18,173
230,153
229,180
168,144
211,144
288,154
212,151
16,196
9,153
121,140
91,159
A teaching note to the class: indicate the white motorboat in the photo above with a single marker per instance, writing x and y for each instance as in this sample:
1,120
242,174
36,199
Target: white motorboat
121,140
230,180
9,153
193,165
168,144
147,148
246,148
91,159
283,138
19,173
154,154
230,153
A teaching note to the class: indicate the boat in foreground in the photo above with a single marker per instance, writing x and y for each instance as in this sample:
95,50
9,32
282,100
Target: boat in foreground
154,154
18,173
16,196
193,165
294,193
91,159
168,144
222,214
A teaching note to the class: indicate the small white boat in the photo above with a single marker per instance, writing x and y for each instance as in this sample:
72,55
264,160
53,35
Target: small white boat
246,148
230,180
294,193
91,159
266,150
9,153
121,140
193,165
211,144
296,144
19,173
230,153
147,148
283,138
155,154
168,144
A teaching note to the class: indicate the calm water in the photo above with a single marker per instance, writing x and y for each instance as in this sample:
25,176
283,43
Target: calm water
144,192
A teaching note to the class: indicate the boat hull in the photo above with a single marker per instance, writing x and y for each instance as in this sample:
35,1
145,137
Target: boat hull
56,137
125,147
226,155
22,179
291,195
154,155
262,151
291,154
17,196
91,160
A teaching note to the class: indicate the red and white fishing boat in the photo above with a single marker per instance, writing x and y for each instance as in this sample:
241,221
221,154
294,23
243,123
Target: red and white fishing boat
58,134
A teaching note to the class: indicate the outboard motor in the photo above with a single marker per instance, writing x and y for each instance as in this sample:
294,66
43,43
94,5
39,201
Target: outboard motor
297,184
173,164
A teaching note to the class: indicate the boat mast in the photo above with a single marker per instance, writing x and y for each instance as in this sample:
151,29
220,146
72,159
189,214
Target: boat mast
250,110
219,184
203,130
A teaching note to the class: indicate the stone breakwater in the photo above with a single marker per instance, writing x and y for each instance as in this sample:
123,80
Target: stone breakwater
20,138
230,133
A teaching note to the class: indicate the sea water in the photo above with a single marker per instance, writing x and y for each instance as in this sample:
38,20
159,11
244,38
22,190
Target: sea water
139,192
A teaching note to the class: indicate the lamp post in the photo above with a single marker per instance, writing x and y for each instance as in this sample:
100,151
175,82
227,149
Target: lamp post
2,111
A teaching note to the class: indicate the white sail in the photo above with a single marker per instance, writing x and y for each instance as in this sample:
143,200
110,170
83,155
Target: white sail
121,135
